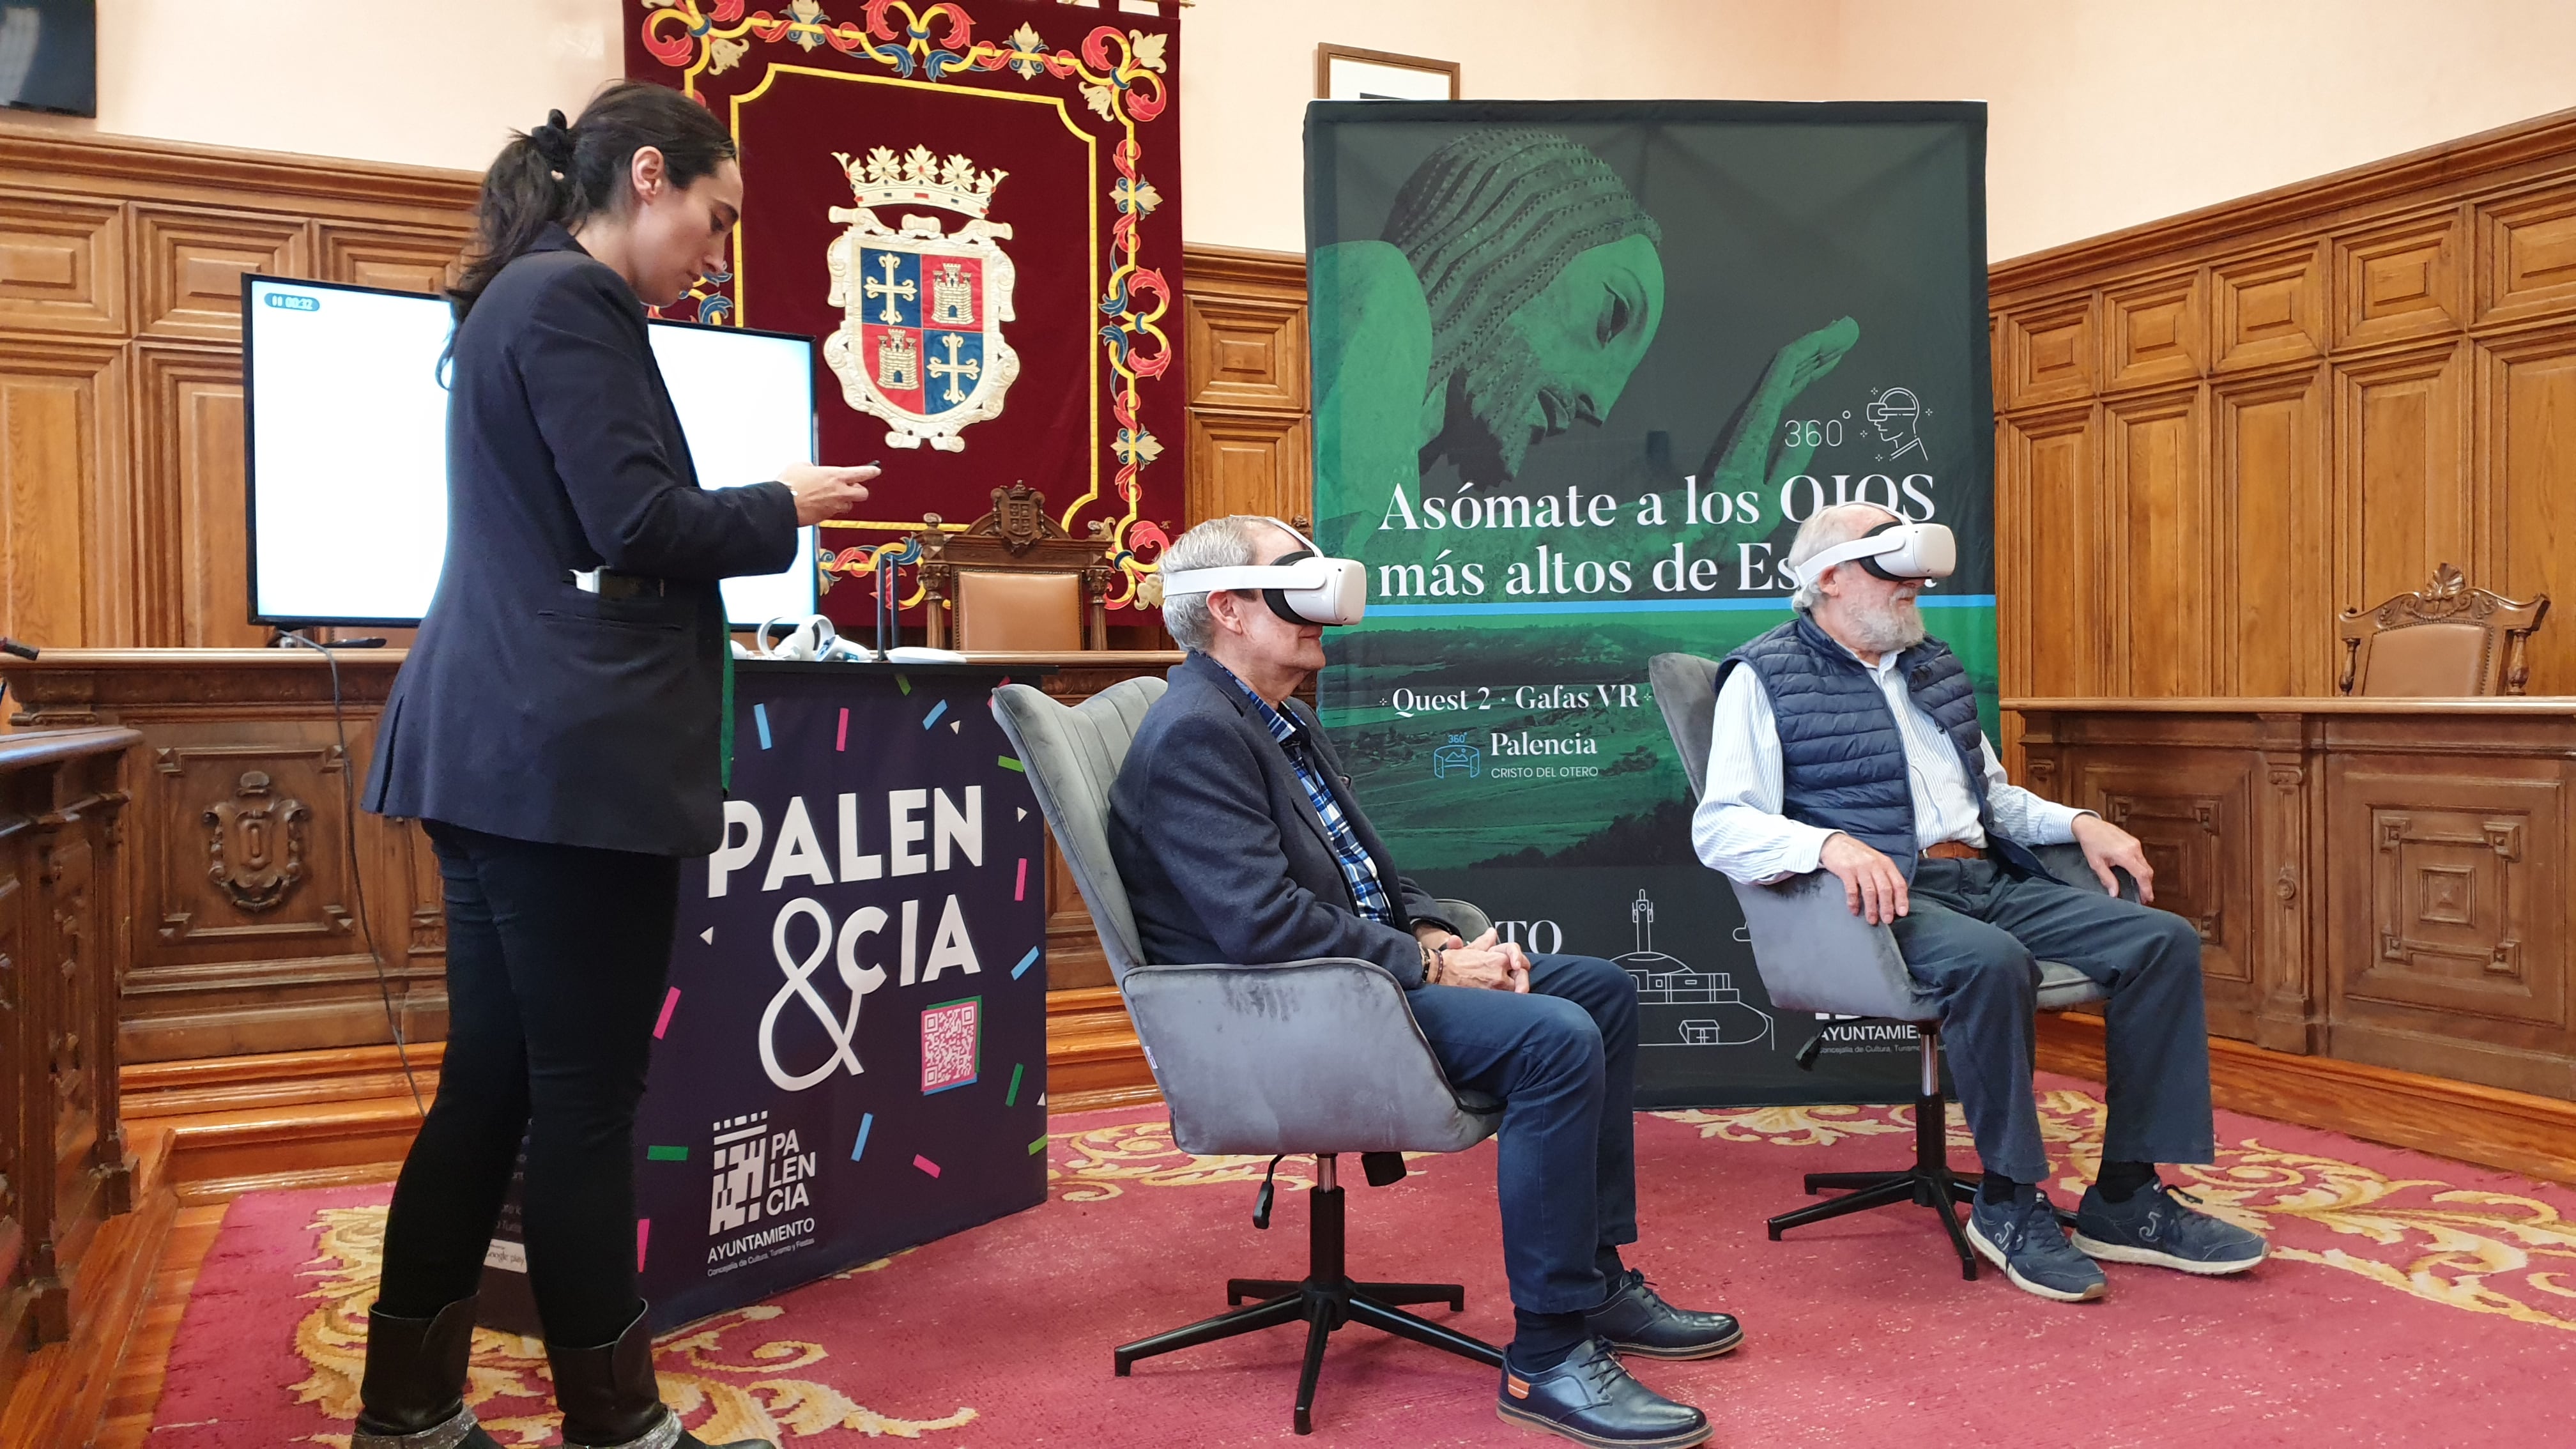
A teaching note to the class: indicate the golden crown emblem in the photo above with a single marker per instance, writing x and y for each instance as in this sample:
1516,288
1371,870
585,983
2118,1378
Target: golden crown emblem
881,178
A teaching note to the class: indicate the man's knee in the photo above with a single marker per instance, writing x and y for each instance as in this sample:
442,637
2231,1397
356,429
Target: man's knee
1562,1040
1606,993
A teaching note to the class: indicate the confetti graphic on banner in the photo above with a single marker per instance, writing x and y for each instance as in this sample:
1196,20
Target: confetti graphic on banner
672,1000
666,1154
867,1123
925,1164
643,1235
1020,885
1011,1098
760,717
1026,962
936,711
841,736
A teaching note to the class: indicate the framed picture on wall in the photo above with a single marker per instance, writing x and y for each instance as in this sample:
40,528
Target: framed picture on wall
1346,73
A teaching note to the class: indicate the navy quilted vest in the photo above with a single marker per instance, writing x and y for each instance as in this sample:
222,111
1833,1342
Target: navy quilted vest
1843,762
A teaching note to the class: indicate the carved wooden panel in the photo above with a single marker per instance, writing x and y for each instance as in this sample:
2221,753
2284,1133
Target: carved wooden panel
2402,473
2455,904
2160,548
2527,456
65,518
194,509
2266,587
2270,309
2527,256
2193,821
2046,479
2049,353
2400,281
62,264
1073,955
15,1022
2158,331
400,260
1246,352
74,972
192,264
251,849
1249,464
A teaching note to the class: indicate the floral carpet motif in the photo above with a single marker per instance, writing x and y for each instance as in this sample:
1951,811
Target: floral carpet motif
729,1364
2484,1251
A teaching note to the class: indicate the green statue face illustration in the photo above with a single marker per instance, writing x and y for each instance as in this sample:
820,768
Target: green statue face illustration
1544,285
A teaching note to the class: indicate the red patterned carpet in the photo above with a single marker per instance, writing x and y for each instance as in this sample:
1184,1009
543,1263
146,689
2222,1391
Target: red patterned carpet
2410,1301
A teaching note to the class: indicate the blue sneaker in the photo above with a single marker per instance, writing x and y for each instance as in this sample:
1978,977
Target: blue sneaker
2022,1238
2155,1226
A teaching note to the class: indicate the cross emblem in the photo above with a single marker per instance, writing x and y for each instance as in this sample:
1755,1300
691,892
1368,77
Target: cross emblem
889,289
952,369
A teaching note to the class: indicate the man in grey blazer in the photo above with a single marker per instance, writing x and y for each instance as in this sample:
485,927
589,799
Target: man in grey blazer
1237,834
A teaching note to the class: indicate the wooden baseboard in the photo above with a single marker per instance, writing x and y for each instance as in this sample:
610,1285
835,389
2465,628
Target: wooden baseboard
2514,1131
62,1388
278,1079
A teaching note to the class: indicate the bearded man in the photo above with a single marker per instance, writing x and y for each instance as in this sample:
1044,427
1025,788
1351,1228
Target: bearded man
1517,287
1846,740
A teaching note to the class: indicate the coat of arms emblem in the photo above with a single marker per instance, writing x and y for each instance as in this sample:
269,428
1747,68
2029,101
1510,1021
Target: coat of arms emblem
920,341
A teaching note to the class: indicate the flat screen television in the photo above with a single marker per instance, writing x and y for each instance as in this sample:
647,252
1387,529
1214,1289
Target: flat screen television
49,56
345,420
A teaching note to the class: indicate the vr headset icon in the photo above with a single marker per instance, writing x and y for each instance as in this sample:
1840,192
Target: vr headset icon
1905,551
1303,587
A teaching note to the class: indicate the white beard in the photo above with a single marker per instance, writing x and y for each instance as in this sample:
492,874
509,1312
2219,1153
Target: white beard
1890,629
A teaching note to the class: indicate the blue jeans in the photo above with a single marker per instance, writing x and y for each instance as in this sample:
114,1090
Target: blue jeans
1563,1059
1974,937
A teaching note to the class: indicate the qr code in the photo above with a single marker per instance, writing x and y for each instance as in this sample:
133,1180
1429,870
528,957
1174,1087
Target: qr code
951,1034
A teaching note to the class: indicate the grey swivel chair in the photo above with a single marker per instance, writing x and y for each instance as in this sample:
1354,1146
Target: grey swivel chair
1815,955
1318,1056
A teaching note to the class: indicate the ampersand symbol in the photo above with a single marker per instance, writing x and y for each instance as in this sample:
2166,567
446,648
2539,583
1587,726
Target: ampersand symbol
844,1033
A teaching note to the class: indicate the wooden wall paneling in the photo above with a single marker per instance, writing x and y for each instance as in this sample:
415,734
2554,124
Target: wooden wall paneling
2289,883
2157,331
2050,353
62,264
190,263
2526,428
2526,256
193,505
2448,940
2155,550
399,259
66,513
2051,463
2267,591
2401,501
1243,464
2270,308
1248,444
2401,281
2189,818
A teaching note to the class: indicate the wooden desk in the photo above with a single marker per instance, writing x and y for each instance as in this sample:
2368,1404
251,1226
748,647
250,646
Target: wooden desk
2379,880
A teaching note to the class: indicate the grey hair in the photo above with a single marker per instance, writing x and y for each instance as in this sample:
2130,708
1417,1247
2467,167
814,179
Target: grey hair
1219,543
1823,529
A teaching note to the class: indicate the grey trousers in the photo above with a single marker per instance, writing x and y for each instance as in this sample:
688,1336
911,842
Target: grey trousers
1973,938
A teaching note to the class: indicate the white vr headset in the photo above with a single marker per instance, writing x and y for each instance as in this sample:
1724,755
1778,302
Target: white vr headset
1904,551
1303,588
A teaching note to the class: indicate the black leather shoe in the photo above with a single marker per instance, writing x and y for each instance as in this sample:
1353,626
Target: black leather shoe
611,1399
1636,1321
1590,1399
412,1394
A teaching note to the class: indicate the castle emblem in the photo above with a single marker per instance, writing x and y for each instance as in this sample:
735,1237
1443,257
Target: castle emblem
920,342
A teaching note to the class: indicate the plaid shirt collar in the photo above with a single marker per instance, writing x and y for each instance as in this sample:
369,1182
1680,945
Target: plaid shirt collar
1368,893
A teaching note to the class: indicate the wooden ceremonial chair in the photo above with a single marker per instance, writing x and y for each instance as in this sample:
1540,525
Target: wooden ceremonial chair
2445,640
1015,582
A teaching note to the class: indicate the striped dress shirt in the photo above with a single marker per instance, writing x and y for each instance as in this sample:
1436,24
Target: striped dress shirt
1738,827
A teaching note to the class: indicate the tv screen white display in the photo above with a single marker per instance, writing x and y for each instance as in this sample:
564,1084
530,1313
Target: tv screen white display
347,434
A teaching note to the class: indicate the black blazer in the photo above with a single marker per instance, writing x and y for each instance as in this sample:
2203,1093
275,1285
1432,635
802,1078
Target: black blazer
1222,854
530,708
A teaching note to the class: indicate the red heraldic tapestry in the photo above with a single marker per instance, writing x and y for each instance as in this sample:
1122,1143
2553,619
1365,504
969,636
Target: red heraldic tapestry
975,206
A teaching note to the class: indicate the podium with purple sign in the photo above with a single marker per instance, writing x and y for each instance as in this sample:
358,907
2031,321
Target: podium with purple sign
851,1057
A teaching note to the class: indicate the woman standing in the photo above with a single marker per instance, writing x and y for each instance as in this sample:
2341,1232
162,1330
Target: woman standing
557,732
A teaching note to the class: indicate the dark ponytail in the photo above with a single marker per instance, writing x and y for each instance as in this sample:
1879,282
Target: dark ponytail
563,174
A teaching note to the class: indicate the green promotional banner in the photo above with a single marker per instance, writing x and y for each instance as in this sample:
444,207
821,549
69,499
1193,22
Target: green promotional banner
1580,369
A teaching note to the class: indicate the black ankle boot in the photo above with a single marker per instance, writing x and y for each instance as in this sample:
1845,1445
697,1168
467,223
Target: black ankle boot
413,1393
610,1399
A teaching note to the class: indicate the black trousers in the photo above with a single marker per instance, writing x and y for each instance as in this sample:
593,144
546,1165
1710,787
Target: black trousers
557,959
1564,1060
1975,937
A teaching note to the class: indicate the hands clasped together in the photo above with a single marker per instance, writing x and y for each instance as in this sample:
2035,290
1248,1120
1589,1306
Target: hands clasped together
1487,961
